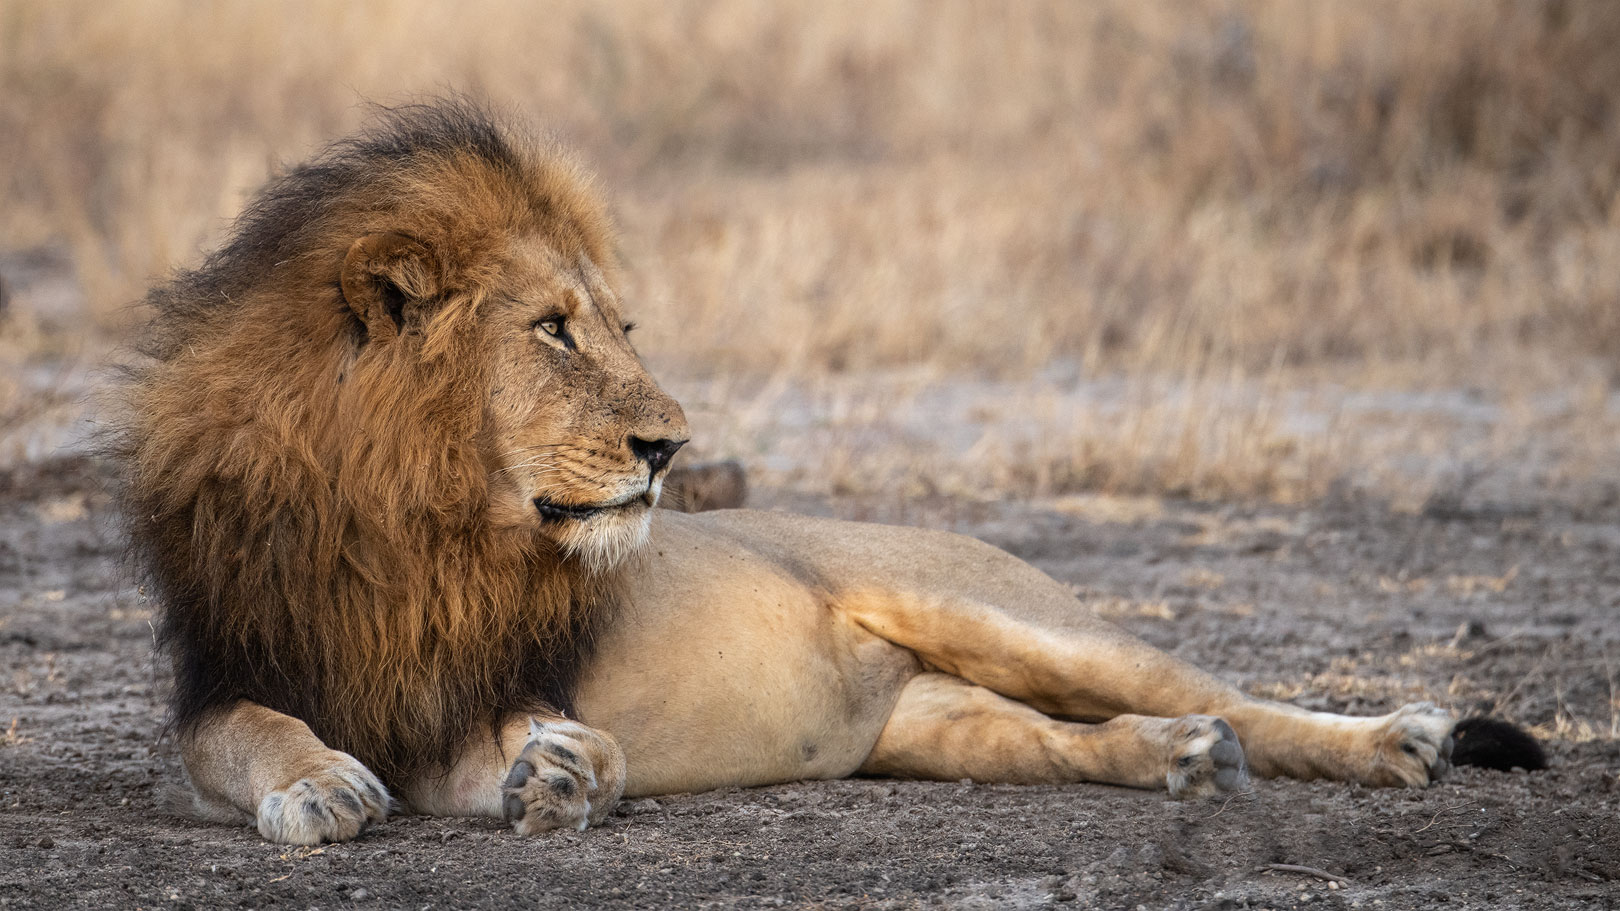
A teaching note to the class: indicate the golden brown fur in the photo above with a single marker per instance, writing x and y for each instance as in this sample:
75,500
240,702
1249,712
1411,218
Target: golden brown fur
391,473
308,503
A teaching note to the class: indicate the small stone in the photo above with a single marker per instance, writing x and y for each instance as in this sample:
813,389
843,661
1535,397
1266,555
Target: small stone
359,895
47,842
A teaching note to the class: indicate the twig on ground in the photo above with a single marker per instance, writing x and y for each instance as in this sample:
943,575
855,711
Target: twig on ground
1509,861
1226,803
1308,871
1436,818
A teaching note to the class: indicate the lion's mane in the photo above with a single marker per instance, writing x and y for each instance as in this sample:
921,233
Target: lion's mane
310,522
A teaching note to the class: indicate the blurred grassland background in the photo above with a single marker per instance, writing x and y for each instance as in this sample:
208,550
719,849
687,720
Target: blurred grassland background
1210,248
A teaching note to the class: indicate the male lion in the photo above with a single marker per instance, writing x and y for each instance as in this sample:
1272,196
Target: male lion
390,473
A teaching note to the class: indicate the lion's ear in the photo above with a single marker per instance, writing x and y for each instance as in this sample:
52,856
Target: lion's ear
389,281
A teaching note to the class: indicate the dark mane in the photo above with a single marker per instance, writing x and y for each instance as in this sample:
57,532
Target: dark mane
311,522
293,211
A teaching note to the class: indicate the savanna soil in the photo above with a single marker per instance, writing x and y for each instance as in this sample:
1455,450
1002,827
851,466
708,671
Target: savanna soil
1348,606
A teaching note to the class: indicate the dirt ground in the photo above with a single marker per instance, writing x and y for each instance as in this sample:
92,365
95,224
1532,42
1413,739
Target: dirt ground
1506,606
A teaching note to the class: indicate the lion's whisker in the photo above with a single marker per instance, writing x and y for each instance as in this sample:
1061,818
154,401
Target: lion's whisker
530,464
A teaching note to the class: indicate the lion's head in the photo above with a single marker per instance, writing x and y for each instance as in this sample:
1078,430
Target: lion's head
574,435
391,438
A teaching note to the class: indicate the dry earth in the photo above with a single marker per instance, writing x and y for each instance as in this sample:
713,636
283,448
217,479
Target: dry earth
1347,605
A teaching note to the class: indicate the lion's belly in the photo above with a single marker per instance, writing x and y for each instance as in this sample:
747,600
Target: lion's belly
725,670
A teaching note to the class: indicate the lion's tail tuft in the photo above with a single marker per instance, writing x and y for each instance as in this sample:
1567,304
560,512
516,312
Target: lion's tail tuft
1492,743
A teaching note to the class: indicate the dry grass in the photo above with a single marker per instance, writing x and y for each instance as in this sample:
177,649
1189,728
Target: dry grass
1204,207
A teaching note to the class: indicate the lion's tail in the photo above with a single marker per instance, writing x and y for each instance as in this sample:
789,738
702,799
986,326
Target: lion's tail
1492,743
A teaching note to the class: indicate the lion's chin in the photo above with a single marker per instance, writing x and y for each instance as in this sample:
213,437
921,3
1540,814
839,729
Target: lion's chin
606,538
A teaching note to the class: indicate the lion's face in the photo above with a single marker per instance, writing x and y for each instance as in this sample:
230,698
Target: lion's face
575,435
579,436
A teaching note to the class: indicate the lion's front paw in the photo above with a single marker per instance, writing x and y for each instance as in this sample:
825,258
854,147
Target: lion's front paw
1413,746
568,776
335,803
1205,757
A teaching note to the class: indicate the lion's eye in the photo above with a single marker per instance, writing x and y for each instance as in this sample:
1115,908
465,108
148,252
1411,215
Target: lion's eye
555,327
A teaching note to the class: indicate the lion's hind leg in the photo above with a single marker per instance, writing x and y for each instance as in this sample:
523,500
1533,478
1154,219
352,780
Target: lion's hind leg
946,729
1034,644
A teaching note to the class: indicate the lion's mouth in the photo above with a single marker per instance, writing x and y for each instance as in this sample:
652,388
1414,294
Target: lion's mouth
556,512
552,511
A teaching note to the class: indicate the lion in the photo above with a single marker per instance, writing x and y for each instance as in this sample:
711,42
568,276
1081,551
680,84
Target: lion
389,472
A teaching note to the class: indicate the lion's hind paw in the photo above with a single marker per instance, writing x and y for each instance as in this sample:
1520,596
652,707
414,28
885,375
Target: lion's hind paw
333,804
1208,758
1415,747
567,777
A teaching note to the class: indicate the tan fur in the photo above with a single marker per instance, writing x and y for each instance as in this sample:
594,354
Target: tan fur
413,452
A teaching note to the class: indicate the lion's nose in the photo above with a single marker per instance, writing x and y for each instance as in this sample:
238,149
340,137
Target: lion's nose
656,453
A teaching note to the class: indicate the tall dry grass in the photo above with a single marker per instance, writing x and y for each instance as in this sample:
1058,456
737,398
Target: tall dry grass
1380,192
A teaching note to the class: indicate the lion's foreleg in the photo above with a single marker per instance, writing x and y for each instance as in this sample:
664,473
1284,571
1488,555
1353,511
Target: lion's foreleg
1091,670
544,773
945,729
270,768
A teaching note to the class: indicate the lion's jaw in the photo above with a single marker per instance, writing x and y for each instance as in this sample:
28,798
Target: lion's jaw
609,536
602,536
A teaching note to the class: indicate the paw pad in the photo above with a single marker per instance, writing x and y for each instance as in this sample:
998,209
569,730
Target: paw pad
553,785
1209,759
